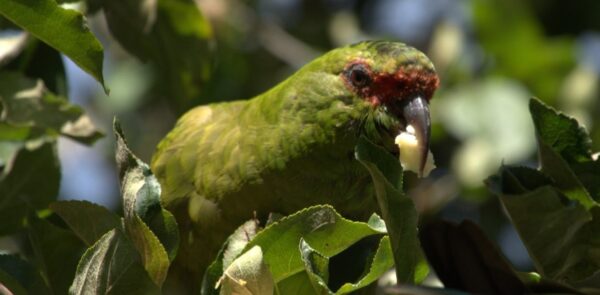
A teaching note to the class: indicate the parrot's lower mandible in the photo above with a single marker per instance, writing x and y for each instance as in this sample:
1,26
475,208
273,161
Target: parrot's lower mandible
293,146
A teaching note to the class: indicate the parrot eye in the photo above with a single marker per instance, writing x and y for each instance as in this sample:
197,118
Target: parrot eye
358,75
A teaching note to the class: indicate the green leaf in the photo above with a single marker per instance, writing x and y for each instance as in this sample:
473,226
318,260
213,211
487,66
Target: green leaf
87,220
232,248
213,274
12,135
558,233
248,274
515,180
397,209
560,132
382,262
131,23
30,184
297,227
419,290
112,266
63,29
164,226
320,226
27,103
31,120
154,257
57,252
141,201
562,143
298,284
553,165
20,277
565,154
317,264
238,240
11,141
553,209
173,35
324,228
587,173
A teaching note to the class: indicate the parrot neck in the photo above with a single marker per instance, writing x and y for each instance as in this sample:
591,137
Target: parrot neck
310,139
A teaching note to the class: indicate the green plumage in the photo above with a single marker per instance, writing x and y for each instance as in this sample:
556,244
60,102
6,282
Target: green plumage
281,151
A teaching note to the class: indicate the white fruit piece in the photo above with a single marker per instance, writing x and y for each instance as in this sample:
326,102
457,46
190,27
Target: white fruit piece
410,153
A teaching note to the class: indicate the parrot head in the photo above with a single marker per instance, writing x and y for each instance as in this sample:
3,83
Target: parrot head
392,83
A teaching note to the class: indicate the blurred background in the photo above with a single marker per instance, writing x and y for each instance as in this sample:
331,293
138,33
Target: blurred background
491,55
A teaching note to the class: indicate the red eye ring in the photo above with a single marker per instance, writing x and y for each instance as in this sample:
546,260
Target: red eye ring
358,75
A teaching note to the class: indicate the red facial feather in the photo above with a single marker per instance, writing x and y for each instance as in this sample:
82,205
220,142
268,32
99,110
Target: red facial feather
402,84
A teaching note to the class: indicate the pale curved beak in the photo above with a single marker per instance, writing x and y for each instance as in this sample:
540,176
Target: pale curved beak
416,114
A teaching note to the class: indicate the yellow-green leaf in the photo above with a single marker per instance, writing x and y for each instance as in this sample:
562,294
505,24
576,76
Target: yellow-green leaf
63,29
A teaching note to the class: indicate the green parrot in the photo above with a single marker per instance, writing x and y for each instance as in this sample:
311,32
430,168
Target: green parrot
292,146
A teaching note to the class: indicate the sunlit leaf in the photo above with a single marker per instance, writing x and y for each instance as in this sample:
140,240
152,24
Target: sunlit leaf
232,248
326,230
61,28
238,240
247,275
563,134
141,201
27,103
320,226
562,143
13,42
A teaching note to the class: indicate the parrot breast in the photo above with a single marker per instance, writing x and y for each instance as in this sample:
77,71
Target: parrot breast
290,147
226,163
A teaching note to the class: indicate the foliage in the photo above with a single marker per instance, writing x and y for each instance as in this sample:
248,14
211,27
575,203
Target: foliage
521,39
79,247
173,35
563,192
32,119
292,245
397,209
63,29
